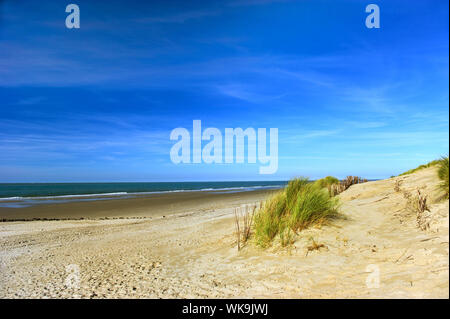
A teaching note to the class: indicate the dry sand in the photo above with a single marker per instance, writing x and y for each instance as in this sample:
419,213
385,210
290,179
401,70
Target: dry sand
193,253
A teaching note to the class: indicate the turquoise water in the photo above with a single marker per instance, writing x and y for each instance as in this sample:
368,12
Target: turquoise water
65,189
27,194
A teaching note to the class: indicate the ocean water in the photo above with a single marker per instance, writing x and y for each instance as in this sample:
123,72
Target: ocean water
27,194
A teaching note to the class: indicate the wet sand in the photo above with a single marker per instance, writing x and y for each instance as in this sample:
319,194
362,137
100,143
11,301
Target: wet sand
144,206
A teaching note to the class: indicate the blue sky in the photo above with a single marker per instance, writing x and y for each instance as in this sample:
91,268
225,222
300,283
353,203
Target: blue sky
98,103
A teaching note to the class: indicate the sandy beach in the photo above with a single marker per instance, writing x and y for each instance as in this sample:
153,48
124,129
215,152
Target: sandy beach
142,206
183,246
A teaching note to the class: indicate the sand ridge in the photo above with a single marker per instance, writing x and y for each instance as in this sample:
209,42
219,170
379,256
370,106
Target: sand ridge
193,254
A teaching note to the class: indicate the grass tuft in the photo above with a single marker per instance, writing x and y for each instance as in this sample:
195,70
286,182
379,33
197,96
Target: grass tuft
331,183
327,181
300,205
243,218
443,175
269,220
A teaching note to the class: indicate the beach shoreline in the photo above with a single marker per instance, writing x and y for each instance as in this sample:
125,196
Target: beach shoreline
141,206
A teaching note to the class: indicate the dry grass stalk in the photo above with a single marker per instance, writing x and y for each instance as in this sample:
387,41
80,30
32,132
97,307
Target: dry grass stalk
336,189
248,220
407,195
422,207
243,232
238,231
418,205
443,175
314,246
352,180
397,186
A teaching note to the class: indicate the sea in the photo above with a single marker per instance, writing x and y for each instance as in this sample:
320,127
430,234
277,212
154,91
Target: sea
17,195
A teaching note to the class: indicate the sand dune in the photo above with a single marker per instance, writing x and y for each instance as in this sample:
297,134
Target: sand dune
194,254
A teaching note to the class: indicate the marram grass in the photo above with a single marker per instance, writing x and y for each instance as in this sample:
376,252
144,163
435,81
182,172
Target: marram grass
298,206
327,181
432,163
443,175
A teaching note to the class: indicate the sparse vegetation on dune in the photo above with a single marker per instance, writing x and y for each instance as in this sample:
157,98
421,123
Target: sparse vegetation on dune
443,175
298,206
336,189
443,166
432,163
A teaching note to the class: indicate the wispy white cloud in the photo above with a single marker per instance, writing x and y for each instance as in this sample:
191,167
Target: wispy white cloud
247,93
364,124
31,100
240,3
179,17
299,137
